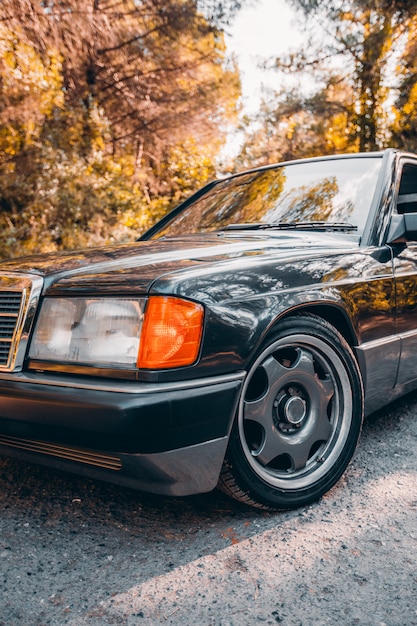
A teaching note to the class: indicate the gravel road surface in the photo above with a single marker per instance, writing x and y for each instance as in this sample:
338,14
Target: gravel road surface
84,553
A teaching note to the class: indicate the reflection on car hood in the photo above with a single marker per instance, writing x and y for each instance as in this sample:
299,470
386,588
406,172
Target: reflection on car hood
135,266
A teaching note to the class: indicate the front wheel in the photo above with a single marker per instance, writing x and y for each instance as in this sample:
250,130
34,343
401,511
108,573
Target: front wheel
299,418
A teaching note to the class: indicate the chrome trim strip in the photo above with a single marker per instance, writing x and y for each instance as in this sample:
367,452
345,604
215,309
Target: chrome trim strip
376,343
120,386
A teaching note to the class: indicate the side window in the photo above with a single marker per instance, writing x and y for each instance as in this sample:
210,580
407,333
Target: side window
407,194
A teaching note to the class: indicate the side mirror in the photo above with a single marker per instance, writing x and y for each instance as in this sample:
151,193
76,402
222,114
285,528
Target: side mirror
403,228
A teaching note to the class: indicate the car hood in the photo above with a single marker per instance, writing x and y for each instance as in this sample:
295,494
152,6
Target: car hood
136,267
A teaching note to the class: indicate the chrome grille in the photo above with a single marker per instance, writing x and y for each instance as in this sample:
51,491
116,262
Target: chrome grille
10,308
18,299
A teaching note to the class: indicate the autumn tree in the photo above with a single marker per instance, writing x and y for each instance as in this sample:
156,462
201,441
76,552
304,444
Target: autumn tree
404,124
113,91
292,124
347,70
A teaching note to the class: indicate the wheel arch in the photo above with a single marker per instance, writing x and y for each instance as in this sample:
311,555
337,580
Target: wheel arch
331,313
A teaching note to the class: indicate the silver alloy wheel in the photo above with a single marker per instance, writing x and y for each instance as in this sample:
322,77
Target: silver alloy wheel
295,412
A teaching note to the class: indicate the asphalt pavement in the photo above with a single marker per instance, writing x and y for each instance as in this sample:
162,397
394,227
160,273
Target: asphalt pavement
84,553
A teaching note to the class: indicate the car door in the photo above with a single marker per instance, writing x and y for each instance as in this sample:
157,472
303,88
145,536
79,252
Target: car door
405,268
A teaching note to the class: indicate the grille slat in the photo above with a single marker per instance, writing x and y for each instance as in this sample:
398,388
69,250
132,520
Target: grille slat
4,353
10,302
7,327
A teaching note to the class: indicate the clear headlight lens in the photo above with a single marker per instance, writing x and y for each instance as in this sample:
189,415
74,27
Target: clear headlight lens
91,331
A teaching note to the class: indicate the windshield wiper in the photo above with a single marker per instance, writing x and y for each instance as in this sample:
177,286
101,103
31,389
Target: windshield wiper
320,226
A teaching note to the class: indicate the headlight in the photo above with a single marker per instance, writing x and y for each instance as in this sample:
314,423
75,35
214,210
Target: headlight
159,332
91,331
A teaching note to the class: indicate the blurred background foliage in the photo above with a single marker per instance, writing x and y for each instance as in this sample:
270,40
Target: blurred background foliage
355,87
113,111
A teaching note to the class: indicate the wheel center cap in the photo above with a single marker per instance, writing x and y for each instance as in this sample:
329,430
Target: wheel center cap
294,410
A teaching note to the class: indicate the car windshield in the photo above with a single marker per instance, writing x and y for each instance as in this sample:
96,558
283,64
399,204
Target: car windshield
327,193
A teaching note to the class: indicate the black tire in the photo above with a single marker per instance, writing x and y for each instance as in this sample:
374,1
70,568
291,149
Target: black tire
299,418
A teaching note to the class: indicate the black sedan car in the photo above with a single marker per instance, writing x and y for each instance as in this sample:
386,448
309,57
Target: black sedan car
238,343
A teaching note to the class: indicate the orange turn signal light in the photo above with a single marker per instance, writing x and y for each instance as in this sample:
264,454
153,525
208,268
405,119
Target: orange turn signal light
171,333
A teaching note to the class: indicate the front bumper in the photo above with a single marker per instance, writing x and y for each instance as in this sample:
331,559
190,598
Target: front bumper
164,438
